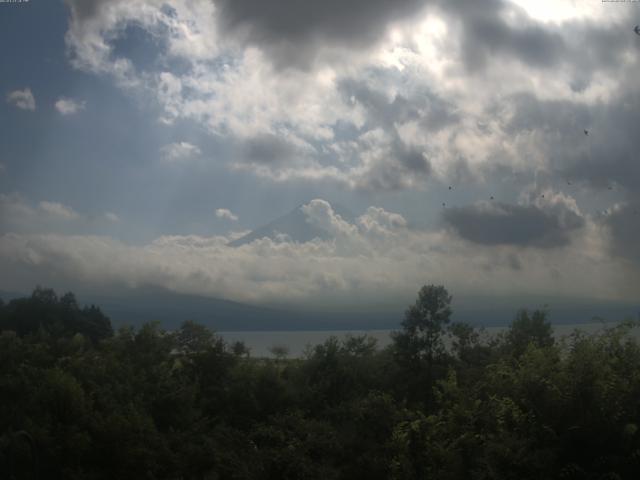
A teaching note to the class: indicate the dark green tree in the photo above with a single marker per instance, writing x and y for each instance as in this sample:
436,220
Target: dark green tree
529,328
420,344
424,324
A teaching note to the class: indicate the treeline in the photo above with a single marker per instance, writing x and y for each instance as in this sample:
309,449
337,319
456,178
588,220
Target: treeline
78,401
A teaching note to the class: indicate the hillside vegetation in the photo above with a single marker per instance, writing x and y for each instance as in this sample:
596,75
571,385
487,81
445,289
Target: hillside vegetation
79,401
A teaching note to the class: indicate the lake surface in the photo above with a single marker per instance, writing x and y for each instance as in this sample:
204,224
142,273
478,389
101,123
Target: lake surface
296,342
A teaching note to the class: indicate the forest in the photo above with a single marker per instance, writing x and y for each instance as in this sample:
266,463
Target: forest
79,400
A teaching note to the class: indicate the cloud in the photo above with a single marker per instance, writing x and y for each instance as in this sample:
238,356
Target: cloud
59,210
624,227
112,217
226,214
273,150
485,31
22,99
13,205
69,106
19,215
293,32
378,218
420,92
496,223
3,168
320,214
84,9
376,259
179,151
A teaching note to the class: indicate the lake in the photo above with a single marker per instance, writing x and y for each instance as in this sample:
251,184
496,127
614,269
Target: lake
259,343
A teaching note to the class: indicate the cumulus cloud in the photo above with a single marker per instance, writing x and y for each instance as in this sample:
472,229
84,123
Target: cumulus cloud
226,214
179,151
376,95
320,214
69,106
22,99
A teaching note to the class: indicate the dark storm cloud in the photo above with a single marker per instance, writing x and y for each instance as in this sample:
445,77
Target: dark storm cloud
292,30
607,157
606,160
270,150
380,110
563,117
505,224
612,158
485,33
405,165
432,112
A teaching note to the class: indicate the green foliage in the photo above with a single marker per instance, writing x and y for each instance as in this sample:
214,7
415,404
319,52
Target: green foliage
526,329
424,325
147,403
419,348
44,312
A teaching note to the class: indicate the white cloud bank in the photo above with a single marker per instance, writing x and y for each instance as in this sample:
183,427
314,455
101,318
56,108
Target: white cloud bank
375,259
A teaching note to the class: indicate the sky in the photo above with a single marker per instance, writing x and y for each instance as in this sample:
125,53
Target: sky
487,145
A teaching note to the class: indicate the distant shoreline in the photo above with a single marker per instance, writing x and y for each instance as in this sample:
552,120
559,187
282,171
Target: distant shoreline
260,341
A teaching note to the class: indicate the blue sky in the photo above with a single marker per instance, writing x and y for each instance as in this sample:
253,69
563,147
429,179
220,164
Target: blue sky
140,137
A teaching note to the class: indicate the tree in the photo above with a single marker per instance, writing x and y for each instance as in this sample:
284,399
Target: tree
526,329
424,323
279,351
420,344
194,338
59,317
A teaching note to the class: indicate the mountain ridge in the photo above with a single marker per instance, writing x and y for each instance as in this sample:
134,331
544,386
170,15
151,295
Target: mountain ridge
293,226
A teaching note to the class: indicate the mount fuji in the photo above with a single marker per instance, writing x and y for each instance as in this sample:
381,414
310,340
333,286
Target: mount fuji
294,227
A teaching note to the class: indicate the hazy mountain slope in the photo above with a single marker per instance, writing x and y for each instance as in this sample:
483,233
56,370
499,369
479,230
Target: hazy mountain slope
293,225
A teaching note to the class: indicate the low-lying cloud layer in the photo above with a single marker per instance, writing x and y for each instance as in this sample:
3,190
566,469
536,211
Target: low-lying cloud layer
376,258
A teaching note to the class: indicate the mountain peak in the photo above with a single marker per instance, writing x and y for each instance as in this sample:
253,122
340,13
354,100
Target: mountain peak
294,227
